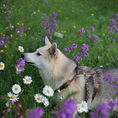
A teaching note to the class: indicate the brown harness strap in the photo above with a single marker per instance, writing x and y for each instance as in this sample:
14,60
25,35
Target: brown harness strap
65,85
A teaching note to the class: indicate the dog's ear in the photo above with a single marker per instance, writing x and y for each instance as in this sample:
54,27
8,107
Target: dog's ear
53,50
47,42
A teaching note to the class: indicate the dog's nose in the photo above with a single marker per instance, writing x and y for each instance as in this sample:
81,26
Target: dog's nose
22,55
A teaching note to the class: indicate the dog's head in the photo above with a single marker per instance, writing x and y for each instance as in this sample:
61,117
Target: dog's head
43,56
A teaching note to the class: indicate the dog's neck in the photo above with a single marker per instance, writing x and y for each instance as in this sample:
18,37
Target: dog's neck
62,69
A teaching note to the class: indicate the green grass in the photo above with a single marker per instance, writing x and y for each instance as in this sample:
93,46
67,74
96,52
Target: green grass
69,15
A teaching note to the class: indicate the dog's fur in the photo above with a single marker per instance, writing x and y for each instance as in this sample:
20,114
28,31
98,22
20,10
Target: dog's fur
55,69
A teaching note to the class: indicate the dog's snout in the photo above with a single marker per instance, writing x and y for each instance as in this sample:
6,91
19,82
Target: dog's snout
22,55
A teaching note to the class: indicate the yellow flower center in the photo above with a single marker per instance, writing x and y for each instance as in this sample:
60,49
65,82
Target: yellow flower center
12,26
48,91
79,108
27,80
39,98
16,88
1,65
82,105
18,68
12,97
18,31
44,101
20,48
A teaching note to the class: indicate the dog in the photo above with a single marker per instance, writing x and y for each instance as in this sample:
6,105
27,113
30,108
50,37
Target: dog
56,69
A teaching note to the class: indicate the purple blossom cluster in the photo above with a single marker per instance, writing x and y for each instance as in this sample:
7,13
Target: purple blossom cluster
112,105
8,13
67,109
116,16
20,66
82,31
20,32
77,58
11,27
36,113
92,29
101,111
74,46
95,38
3,41
47,23
109,79
66,50
7,18
83,52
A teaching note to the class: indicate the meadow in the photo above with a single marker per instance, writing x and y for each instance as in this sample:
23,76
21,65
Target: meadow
22,23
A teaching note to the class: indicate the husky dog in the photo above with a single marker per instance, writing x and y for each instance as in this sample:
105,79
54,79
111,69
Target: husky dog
56,69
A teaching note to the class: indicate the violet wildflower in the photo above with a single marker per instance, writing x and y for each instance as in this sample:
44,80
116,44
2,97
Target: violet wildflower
66,50
20,66
76,34
112,105
8,12
46,1
43,38
11,27
1,43
21,30
41,17
116,30
109,79
116,16
114,27
111,32
101,111
82,31
95,44
67,109
92,29
109,28
47,31
7,6
74,46
95,38
88,36
116,92
113,21
113,41
50,37
77,58
36,113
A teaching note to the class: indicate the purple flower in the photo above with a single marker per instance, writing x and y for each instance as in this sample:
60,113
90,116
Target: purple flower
20,66
41,17
77,58
114,86
96,37
82,31
6,38
88,36
116,93
46,1
109,28
92,29
50,37
8,12
66,50
76,34
113,41
111,32
109,79
67,109
36,113
116,15
74,46
112,105
21,30
7,6
43,38
47,31
1,43
95,44
113,21
101,111
11,27
114,27
7,42
116,30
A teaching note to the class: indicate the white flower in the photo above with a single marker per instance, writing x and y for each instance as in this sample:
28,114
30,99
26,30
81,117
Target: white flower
38,97
34,12
20,48
38,10
45,101
27,80
13,97
2,66
48,91
84,106
8,104
99,57
16,88
18,68
58,34
79,108
101,66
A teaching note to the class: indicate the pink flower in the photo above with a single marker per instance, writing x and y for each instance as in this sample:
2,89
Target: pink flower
18,114
21,116
3,117
20,105
12,102
8,109
3,111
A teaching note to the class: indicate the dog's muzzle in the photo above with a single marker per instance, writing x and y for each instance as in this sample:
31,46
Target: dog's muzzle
22,55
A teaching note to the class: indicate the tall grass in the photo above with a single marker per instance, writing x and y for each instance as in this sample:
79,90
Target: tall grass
72,15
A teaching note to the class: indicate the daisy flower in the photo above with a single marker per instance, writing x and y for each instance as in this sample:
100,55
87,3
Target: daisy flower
13,97
45,101
2,66
8,104
16,88
20,48
27,80
84,106
79,108
48,91
38,98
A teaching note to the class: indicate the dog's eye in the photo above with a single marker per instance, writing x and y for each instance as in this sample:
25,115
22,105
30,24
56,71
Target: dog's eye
38,54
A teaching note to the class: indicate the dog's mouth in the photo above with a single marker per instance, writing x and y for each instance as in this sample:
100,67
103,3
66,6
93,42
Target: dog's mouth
29,62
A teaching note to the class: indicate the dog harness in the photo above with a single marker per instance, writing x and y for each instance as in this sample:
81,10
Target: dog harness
65,85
